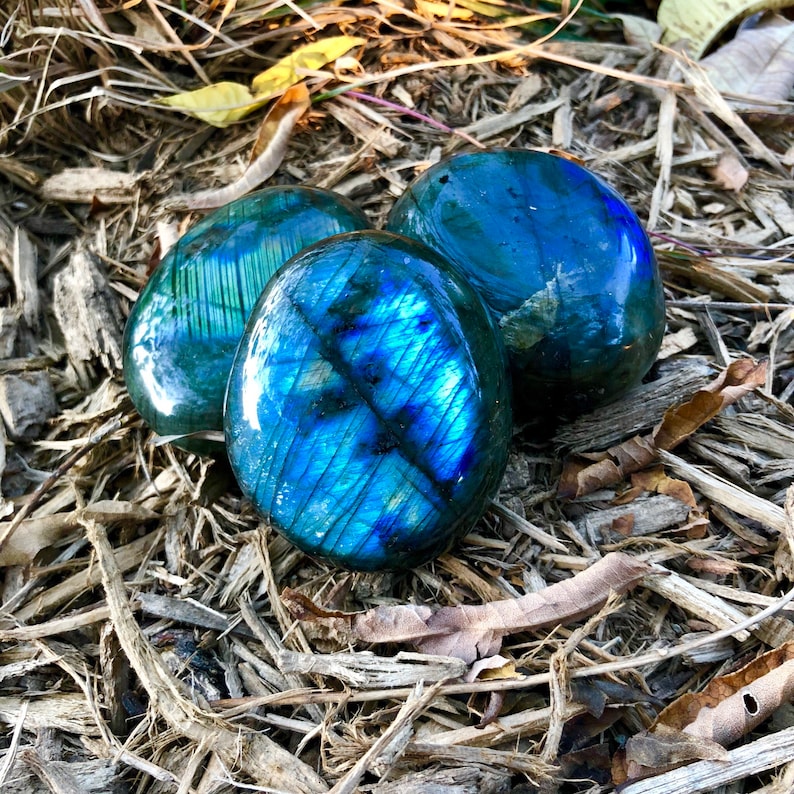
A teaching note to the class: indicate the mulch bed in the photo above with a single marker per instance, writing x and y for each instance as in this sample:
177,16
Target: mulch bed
144,642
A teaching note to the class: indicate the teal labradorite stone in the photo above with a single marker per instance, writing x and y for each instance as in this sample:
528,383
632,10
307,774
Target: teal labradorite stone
559,257
180,338
367,415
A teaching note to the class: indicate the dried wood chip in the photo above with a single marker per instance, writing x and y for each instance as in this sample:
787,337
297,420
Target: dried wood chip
91,185
27,402
446,780
649,515
74,777
64,711
87,311
365,670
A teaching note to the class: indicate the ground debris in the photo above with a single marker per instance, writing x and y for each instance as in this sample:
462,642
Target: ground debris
144,643
87,312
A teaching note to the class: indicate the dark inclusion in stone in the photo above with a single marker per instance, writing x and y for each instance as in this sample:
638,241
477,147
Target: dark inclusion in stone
181,336
367,415
560,258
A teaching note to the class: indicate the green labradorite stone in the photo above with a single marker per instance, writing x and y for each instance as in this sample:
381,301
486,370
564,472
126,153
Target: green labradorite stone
182,333
368,409
561,260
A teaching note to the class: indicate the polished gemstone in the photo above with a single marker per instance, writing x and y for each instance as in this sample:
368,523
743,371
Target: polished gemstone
180,338
561,259
367,415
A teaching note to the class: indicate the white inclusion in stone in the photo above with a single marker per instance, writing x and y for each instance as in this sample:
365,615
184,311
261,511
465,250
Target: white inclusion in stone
161,401
252,386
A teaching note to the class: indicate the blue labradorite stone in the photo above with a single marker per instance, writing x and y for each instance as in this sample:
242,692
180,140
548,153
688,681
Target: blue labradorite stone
559,257
181,335
367,415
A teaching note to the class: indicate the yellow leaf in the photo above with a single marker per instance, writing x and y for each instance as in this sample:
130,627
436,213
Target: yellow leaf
218,104
293,67
492,9
434,8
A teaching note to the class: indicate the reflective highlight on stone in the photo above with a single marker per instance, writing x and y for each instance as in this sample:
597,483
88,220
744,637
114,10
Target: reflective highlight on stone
182,333
367,416
560,258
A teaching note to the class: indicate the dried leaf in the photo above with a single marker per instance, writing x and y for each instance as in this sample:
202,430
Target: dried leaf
435,8
740,378
271,144
725,711
730,173
758,62
639,31
474,632
702,22
667,748
493,667
218,104
295,66
657,481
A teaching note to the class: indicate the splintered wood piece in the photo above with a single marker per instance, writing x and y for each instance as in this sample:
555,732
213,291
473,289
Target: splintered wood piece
449,780
365,670
647,515
87,311
27,401
726,493
65,711
88,185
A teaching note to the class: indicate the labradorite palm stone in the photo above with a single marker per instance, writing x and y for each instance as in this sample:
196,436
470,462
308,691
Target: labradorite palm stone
367,415
181,335
559,257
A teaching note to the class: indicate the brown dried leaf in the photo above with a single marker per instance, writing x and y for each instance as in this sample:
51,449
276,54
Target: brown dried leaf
725,711
740,378
657,481
735,703
268,152
474,632
653,752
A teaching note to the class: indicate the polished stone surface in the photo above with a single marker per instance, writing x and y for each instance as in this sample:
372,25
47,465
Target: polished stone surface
183,330
367,416
561,259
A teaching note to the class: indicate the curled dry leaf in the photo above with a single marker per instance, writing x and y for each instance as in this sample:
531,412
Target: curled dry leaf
725,711
703,22
269,149
657,481
579,477
474,632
